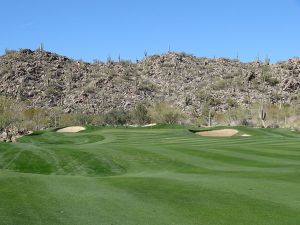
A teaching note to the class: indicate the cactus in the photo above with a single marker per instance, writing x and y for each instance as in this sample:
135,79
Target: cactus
108,60
263,116
41,47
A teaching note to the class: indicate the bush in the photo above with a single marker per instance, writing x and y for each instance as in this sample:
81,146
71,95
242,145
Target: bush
165,113
10,113
116,117
231,102
36,118
147,86
272,81
83,119
140,115
220,85
10,51
67,120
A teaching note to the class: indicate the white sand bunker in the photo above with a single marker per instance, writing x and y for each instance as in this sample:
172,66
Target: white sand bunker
149,125
146,125
73,129
218,133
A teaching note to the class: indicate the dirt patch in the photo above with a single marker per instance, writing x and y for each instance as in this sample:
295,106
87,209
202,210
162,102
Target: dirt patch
73,129
218,133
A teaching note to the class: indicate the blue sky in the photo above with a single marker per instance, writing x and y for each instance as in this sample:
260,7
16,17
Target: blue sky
91,29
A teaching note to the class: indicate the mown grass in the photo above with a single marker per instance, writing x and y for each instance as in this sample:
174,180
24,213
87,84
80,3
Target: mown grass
162,175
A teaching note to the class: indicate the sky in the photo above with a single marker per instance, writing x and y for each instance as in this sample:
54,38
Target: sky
91,29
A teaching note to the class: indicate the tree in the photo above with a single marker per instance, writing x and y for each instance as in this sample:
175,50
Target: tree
140,115
116,117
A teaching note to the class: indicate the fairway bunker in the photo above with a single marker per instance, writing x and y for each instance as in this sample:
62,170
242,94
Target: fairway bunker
73,129
221,133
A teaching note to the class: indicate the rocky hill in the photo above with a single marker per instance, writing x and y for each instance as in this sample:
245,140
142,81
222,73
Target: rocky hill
45,79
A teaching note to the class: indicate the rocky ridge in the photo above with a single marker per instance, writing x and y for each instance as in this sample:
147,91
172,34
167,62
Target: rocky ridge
45,79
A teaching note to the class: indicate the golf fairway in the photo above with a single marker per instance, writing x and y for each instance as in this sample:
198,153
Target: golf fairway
162,175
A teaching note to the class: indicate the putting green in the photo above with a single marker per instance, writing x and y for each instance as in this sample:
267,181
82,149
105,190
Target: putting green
162,175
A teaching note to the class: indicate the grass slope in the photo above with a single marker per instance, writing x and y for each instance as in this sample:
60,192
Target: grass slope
151,176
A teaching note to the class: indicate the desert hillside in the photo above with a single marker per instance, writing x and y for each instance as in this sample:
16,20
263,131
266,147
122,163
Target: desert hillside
45,79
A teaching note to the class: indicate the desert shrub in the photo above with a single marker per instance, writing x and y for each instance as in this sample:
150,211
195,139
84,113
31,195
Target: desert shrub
201,95
97,120
147,86
203,118
83,119
51,90
276,96
10,51
165,113
231,102
36,118
116,117
97,62
280,116
12,54
67,120
10,112
53,116
295,98
220,85
140,115
233,116
213,101
272,81
217,117
286,116
90,88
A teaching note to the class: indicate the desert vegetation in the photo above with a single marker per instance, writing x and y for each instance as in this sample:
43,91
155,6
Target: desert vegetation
191,84
16,118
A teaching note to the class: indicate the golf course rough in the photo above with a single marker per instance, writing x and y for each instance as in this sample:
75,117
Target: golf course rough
161,175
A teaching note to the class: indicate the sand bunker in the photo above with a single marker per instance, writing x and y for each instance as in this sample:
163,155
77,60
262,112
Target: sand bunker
146,125
218,133
149,125
73,129
222,133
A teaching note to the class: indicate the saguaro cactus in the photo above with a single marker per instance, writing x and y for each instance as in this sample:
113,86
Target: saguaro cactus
263,116
41,47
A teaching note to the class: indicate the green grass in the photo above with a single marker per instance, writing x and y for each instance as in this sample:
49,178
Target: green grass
164,175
